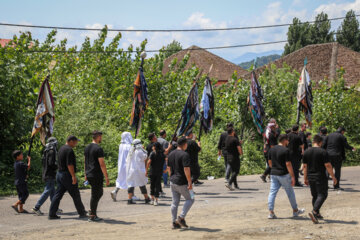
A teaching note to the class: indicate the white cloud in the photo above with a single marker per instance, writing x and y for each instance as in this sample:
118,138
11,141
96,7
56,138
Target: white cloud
197,19
338,9
7,32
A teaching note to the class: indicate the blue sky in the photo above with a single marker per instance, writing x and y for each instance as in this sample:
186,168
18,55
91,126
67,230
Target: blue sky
170,14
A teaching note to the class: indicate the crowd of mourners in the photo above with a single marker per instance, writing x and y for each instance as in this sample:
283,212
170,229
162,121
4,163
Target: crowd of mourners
176,164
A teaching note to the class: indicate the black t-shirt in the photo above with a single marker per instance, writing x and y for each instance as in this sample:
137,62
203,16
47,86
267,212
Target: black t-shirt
49,164
315,158
295,142
279,155
272,141
303,139
157,164
149,148
92,166
221,144
193,150
20,172
231,145
177,160
335,144
66,156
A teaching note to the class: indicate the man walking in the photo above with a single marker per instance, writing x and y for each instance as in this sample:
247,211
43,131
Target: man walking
48,174
180,183
233,150
270,140
316,163
222,151
193,149
302,135
335,145
66,179
296,148
166,147
95,170
282,175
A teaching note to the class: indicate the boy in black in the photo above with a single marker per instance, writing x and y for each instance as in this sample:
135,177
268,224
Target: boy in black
66,179
95,170
193,149
180,183
20,180
222,151
233,149
156,163
316,162
296,147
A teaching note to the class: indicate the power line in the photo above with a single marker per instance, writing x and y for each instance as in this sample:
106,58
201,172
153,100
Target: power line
154,51
163,30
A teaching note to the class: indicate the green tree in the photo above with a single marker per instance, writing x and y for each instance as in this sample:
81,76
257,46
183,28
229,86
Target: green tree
172,48
298,36
348,34
320,30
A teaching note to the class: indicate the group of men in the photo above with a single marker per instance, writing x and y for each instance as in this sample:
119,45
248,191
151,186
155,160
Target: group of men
60,166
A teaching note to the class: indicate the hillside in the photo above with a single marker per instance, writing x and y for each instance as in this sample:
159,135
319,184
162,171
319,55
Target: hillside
260,61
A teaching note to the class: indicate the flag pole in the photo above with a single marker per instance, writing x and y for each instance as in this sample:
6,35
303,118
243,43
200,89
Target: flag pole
50,67
298,104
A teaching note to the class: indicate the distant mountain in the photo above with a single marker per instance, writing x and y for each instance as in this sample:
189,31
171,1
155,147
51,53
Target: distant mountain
251,56
260,61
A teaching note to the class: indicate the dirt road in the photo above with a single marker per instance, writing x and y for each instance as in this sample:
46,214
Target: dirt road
216,214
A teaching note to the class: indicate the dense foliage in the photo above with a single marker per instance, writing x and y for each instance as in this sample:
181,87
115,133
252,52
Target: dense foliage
301,34
94,91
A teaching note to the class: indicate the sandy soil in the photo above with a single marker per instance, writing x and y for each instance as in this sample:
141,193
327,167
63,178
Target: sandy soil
217,214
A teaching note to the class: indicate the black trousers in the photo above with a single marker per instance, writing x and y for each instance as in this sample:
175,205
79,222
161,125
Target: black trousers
234,163
142,189
295,162
97,191
319,193
195,172
155,184
64,183
23,192
268,169
336,162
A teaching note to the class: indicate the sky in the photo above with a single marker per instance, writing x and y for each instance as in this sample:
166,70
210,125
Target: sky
167,14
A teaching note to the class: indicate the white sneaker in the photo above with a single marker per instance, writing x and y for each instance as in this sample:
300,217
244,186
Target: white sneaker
152,202
299,212
272,216
113,196
156,203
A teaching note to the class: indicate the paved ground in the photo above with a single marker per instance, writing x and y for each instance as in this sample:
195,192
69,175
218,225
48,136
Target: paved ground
216,214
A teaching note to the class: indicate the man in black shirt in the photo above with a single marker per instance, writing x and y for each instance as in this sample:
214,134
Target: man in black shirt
180,182
21,170
335,145
66,179
95,170
296,148
233,151
282,175
302,135
49,168
316,162
193,149
222,151
270,140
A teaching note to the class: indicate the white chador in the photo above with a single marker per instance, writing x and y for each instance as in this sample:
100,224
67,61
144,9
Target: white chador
124,148
135,165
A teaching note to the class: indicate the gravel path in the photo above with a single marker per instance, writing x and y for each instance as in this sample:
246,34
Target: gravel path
216,214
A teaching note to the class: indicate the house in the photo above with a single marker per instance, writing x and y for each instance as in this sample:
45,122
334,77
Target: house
4,42
323,62
222,69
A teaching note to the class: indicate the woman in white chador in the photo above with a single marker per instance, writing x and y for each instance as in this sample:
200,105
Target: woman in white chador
135,171
124,148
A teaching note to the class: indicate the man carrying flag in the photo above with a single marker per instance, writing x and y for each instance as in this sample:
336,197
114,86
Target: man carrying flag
304,95
140,98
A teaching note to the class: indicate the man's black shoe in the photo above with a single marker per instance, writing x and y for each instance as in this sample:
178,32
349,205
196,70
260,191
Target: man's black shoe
83,216
176,225
263,178
298,185
147,200
54,217
130,201
182,222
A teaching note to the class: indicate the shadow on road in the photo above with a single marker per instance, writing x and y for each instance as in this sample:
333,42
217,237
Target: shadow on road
114,221
341,222
208,194
196,229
